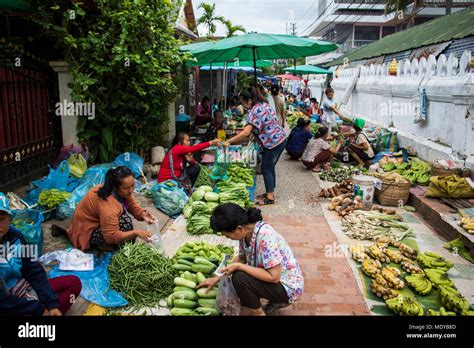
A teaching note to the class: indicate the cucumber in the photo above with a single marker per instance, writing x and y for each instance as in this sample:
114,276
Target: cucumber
181,303
177,312
207,311
169,302
183,288
184,295
189,276
180,267
185,262
203,261
184,282
186,257
207,302
200,277
211,294
203,268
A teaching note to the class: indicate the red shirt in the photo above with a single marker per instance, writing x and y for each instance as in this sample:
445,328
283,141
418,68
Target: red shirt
178,153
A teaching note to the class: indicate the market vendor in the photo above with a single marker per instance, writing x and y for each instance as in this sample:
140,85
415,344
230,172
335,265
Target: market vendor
24,286
279,104
179,159
265,267
216,128
318,152
299,140
263,122
102,217
329,110
360,148
203,112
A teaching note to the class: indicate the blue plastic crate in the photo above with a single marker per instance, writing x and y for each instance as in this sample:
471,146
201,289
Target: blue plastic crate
252,189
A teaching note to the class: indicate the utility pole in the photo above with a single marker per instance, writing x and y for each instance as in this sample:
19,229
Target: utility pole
449,4
293,29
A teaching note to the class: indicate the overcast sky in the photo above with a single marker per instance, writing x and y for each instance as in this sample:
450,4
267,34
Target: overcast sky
263,16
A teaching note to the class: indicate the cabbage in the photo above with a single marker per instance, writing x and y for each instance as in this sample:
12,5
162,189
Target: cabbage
212,205
198,195
211,197
206,188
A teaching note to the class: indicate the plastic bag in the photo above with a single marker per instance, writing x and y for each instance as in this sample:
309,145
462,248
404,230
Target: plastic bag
387,141
227,300
155,241
93,176
77,165
249,154
28,222
224,158
95,283
169,198
70,260
68,150
57,178
132,161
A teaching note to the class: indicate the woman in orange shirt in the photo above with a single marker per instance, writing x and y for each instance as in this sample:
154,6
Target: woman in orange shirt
102,217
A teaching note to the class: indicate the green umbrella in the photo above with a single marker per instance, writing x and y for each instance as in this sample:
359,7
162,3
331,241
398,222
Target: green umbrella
307,69
260,64
255,46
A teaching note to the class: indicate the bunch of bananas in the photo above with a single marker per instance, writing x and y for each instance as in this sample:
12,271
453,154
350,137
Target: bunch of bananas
358,252
419,282
378,254
453,300
433,260
404,305
438,277
407,251
391,275
442,312
394,255
388,240
411,267
467,223
382,291
371,267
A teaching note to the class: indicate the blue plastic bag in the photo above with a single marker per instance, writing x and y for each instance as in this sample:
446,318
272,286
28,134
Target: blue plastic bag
95,283
28,222
93,176
169,198
132,161
57,178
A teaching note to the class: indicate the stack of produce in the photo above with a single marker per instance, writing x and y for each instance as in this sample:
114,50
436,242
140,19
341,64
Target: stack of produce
50,199
371,225
341,188
432,260
454,301
231,192
339,175
416,171
420,283
405,305
390,177
240,173
466,222
198,210
292,118
204,178
141,274
345,204
187,301
213,252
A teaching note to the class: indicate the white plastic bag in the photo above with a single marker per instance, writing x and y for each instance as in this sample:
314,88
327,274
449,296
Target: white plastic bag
155,240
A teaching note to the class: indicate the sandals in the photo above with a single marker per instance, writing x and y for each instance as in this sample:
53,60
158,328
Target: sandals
261,197
266,201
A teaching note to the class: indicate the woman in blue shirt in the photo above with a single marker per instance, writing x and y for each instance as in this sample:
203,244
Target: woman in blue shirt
299,140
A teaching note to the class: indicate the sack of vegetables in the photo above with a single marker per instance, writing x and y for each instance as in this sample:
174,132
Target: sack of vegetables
169,198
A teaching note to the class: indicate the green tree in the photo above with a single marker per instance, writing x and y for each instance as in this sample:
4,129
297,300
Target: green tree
122,57
401,5
209,17
232,29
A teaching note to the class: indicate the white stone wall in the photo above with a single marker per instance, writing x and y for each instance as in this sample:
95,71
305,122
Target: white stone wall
388,101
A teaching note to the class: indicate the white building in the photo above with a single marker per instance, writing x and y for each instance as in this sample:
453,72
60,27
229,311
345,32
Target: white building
354,23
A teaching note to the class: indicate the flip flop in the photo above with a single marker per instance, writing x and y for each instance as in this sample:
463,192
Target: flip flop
266,201
261,196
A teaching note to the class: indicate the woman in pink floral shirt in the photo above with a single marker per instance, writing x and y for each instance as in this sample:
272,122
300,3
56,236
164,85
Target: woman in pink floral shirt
265,267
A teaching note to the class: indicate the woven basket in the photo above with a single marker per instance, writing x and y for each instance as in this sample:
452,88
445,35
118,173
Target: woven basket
437,170
392,193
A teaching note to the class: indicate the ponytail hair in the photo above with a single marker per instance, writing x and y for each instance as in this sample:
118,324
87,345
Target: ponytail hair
227,217
322,131
113,179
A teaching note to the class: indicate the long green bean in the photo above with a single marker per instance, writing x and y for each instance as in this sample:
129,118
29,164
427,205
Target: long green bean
141,274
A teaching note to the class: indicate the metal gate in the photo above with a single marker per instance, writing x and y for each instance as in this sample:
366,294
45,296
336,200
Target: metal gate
27,143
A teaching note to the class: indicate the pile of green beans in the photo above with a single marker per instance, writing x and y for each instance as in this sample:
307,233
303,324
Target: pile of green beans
141,275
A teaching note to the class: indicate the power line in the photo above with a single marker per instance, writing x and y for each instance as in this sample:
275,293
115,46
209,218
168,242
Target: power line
308,16
317,17
327,25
